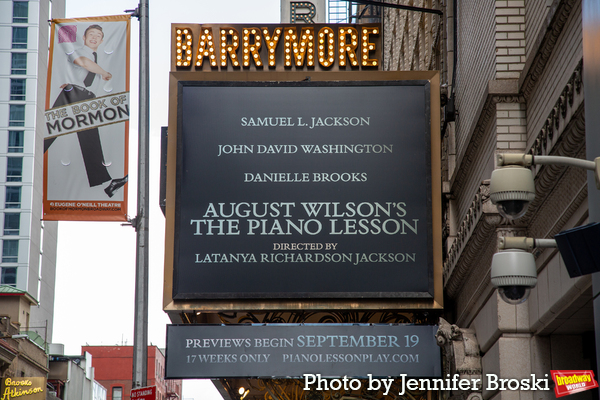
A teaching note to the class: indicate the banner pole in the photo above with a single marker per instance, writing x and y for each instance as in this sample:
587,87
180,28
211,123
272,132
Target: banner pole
140,327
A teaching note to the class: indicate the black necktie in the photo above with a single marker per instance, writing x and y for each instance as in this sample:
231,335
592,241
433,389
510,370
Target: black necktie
90,76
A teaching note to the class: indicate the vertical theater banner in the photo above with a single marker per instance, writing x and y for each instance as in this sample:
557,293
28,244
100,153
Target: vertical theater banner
86,123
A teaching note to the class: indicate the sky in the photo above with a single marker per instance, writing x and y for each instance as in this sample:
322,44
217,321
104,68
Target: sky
95,274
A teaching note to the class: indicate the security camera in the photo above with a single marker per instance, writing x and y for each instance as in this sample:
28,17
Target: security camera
511,190
514,274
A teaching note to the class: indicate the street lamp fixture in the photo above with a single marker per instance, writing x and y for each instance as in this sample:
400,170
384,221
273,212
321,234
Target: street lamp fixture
511,186
513,268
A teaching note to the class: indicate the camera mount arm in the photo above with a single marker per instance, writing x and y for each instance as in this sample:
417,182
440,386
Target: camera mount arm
527,160
524,243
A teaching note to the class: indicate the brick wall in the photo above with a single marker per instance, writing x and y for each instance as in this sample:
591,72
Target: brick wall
511,126
510,38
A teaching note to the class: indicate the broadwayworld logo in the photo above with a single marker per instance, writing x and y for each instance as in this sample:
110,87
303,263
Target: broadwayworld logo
569,382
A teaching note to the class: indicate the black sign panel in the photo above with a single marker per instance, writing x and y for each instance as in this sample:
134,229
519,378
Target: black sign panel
292,350
303,189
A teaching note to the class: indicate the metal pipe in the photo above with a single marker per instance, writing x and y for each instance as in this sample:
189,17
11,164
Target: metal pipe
545,243
140,325
527,160
569,161
524,243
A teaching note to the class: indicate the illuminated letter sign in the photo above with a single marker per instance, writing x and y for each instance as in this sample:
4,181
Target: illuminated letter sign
23,388
313,47
307,17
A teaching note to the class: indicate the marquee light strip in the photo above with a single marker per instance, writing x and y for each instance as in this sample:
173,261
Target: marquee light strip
355,47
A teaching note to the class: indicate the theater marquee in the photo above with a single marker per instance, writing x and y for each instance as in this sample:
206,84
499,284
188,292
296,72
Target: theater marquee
303,188
313,47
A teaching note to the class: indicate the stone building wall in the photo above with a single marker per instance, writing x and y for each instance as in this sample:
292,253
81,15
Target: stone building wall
518,88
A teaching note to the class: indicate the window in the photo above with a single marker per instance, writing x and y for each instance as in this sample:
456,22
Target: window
117,393
15,141
8,276
12,223
20,11
19,37
10,251
17,115
18,64
14,169
17,89
13,197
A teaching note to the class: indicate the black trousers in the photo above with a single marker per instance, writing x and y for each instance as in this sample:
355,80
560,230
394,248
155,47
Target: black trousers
89,140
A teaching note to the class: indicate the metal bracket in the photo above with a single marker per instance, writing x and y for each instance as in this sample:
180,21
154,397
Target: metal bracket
524,243
134,13
133,222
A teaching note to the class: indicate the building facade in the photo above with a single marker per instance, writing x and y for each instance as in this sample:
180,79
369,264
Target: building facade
514,86
19,356
28,244
113,366
72,377
512,82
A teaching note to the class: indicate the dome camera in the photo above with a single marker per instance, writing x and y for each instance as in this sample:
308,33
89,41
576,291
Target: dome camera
514,274
511,190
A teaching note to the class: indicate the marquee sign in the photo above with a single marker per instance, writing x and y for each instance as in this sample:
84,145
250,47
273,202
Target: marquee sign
302,190
297,171
293,350
316,189
269,47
